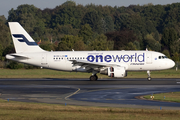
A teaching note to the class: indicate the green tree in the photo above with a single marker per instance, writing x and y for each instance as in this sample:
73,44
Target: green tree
65,29
87,33
166,52
175,57
5,39
1,51
109,24
9,49
175,47
172,36
69,42
30,18
68,14
46,45
151,43
165,37
15,65
137,45
121,38
101,43
170,40
130,46
2,18
94,20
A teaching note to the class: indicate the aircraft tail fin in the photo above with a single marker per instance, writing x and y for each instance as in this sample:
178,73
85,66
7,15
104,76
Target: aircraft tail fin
22,40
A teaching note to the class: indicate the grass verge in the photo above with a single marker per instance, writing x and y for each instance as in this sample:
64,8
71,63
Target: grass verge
168,97
45,73
19,110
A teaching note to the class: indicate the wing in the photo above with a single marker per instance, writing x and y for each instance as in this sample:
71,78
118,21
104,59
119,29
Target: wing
91,65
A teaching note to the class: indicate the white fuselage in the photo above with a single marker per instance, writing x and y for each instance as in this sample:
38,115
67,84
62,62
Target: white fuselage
111,63
130,60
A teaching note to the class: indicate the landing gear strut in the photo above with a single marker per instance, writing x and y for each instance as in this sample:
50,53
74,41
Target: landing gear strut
93,77
149,76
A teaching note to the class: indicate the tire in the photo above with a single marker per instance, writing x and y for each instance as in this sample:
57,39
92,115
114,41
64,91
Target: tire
96,77
149,78
92,78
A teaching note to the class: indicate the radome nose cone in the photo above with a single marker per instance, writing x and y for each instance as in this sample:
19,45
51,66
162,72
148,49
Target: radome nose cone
172,64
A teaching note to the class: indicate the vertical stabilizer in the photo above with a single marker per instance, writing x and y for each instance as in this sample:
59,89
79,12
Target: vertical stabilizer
22,40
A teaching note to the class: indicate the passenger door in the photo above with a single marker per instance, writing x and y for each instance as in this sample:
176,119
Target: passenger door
148,58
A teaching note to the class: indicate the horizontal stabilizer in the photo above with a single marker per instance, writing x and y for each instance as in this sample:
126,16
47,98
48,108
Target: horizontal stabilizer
16,56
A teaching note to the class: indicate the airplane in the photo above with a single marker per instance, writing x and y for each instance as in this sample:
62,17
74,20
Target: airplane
112,63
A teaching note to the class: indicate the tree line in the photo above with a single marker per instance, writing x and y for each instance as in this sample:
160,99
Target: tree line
95,27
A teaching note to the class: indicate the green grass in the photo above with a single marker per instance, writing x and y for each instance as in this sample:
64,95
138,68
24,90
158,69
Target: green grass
170,97
39,111
45,73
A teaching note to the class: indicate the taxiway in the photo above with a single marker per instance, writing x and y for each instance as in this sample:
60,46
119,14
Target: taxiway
105,92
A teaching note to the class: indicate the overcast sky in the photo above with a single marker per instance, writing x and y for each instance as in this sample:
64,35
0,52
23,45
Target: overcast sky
6,5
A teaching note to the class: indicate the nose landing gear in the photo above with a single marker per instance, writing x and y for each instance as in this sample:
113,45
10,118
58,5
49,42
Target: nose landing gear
149,76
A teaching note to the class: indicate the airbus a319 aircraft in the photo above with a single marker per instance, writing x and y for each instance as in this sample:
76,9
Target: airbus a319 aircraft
112,63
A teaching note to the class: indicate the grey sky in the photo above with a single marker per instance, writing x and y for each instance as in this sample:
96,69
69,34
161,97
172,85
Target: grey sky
6,5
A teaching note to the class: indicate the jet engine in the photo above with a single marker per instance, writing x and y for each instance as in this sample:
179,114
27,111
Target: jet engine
117,72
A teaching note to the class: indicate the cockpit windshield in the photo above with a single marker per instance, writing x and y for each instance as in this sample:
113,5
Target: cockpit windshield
163,57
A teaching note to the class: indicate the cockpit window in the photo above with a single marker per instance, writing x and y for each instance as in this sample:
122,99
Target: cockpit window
163,57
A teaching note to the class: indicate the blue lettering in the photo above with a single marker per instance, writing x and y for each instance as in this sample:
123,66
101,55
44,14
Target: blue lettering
124,58
132,57
90,58
142,57
99,56
117,58
108,58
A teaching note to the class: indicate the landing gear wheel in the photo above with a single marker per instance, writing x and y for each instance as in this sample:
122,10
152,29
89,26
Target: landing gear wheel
96,77
93,78
149,78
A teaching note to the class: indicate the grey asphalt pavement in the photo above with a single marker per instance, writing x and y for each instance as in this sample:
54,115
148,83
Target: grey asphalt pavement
105,92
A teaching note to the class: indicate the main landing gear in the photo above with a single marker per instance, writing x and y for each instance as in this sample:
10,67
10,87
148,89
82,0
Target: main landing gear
149,76
93,77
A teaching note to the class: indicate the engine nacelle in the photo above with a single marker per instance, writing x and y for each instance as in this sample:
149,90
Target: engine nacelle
117,72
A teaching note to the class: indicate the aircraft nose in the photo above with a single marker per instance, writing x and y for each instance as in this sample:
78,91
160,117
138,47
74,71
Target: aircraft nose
172,63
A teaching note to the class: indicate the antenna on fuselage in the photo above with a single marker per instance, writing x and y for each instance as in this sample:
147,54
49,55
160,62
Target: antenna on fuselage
146,49
73,50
